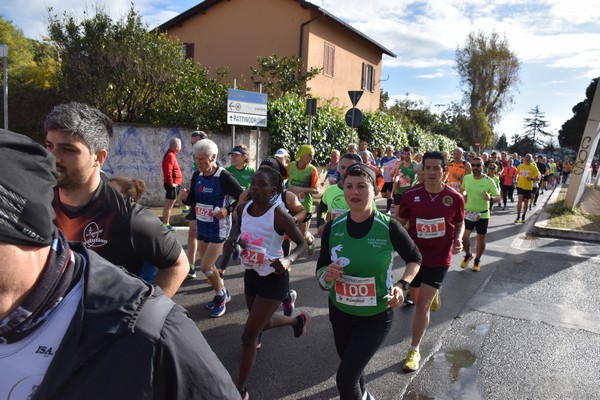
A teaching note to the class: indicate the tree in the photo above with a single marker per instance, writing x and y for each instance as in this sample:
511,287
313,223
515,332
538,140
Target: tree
571,131
502,143
489,72
32,72
521,144
119,67
282,75
535,129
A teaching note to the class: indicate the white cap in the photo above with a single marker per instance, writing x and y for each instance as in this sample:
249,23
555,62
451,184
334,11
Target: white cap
282,153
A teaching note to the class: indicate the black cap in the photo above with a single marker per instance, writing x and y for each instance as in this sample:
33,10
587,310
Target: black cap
26,191
238,150
276,165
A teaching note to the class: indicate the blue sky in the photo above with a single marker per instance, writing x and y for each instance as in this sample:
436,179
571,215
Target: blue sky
557,41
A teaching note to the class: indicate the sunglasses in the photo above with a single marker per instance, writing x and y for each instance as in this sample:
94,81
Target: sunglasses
491,169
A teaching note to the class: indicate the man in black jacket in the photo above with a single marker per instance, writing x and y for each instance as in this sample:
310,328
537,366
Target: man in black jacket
74,326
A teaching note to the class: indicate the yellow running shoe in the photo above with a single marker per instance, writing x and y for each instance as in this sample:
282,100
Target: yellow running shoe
466,260
412,361
437,301
476,266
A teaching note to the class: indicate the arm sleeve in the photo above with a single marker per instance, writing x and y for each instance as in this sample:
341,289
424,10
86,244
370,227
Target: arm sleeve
167,168
403,244
150,241
324,256
230,185
186,366
191,197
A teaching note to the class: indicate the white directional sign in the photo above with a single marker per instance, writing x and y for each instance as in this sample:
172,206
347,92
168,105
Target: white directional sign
246,108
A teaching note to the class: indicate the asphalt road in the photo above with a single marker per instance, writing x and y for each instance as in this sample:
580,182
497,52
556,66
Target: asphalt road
526,327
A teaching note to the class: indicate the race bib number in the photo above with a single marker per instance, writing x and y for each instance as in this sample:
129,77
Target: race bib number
472,216
455,185
431,228
301,197
525,173
337,211
332,179
252,255
404,181
204,212
354,291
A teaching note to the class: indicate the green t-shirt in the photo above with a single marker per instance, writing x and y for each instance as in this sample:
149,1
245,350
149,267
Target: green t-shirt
306,178
475,189
243,176
367,265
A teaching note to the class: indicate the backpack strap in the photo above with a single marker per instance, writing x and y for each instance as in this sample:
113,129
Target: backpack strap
151,315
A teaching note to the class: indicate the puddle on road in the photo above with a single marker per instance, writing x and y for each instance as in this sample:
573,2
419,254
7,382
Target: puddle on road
462,371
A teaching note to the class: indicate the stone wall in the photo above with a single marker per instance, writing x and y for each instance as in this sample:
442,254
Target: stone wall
136,151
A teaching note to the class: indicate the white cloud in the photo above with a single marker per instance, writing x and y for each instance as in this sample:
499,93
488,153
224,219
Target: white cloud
437,74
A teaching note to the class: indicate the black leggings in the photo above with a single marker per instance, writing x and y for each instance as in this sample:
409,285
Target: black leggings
357,339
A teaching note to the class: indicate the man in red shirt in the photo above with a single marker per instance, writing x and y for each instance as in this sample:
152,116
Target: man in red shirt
172,179
433,215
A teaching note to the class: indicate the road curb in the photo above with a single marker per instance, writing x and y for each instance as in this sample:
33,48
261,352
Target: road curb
540,227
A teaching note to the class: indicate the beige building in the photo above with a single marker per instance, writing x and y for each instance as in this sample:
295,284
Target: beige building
233,33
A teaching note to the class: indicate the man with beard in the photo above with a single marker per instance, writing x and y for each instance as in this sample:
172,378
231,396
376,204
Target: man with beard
90,211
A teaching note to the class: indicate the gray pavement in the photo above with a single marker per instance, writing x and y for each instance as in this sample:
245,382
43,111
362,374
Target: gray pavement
526,327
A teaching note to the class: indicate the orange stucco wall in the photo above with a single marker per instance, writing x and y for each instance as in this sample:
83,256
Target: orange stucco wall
233,33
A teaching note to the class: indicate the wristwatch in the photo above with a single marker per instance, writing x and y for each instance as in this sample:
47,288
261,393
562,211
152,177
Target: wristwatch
403,284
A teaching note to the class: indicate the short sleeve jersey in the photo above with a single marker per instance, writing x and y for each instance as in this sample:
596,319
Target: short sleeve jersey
458,169
123,232
432,222
388,166
476,188
306,177
243,176
526,171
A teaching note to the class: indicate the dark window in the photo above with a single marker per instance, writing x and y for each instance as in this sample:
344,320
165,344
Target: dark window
368,77
328,59
188,50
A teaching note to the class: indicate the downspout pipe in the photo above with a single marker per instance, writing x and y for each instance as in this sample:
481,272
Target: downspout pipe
302,25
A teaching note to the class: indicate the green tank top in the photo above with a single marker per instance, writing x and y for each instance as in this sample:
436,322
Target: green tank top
367,262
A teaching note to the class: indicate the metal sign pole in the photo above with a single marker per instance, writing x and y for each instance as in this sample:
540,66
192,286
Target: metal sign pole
4,55
233,126
258,135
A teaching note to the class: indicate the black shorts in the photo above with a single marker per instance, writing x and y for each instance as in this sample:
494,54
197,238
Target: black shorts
523,192
481,225
171,192
191,216
387,187
432,276
396,198
272,286
546,177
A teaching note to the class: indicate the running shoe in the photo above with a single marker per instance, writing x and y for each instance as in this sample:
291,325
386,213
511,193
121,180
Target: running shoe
192,273
412,361
437,301
522,220
217,305
466,260
288,303
301,323
517,220
259,341
311,247
476,266
169,227
244,394
367,396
